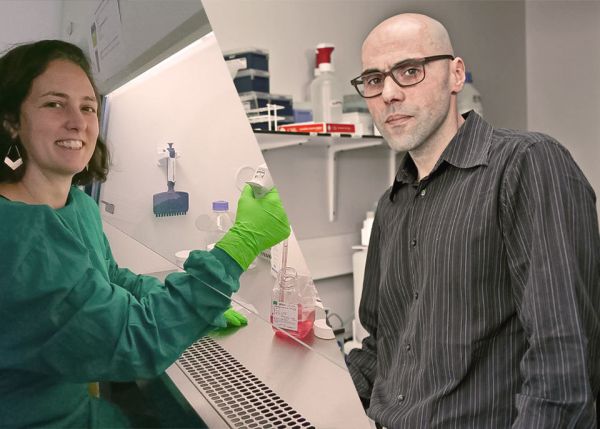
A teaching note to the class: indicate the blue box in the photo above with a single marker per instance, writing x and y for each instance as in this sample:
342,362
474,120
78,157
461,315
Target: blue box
251,58
251,80
303,115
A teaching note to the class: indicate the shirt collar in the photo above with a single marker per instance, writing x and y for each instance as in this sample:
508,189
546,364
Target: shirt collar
468,148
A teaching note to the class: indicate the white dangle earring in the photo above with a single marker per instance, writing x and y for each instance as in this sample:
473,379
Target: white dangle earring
13,165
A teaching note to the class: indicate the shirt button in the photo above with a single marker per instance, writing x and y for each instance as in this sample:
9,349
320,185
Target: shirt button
416,295
400,398
407,347
423,192
413,242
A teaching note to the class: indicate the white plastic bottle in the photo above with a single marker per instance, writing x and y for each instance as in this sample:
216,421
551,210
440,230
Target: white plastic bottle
365,232
325,93
469,98
216,224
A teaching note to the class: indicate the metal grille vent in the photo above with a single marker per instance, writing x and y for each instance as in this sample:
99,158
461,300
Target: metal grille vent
241,399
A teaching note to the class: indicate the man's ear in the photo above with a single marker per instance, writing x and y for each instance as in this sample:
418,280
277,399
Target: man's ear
458,74
11,128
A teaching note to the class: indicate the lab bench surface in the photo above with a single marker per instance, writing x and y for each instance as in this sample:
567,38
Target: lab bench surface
312,378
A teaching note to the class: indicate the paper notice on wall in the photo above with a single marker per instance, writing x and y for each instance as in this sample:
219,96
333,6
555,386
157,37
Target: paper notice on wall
106,39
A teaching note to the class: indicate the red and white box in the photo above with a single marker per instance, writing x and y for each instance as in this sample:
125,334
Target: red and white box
318,127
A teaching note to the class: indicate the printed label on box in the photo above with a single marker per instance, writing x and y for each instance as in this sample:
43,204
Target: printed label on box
318,127
285,316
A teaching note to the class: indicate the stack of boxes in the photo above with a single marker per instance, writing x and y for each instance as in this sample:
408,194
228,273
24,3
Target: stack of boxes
253,87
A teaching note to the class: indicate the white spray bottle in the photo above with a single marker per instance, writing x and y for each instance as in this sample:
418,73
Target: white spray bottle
325,93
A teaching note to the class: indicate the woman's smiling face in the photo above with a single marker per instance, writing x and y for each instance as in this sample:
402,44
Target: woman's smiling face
58,123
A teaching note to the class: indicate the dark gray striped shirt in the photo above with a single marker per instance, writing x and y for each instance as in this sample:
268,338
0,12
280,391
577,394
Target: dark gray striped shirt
482,289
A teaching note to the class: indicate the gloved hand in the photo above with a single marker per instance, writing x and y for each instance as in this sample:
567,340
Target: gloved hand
259,224
233,318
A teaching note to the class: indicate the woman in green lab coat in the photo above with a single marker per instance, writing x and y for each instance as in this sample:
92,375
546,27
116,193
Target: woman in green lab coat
68,314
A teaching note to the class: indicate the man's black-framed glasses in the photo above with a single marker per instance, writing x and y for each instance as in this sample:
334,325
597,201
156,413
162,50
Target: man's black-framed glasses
405,73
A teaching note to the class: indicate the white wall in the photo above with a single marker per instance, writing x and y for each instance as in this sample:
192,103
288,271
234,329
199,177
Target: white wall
563,77
489,35
29,20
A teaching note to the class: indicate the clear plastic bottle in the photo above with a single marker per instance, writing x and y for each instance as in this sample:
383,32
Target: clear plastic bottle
292,305
325,92
216,224
469,98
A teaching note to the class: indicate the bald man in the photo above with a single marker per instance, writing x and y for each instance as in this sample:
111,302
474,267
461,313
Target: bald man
482,285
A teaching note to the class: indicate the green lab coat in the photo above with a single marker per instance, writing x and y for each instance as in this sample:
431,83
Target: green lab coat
69,315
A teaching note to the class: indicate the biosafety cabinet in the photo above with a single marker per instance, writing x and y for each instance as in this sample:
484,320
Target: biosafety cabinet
238,377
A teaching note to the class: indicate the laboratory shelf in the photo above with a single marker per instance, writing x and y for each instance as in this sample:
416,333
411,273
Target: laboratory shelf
333,143
269,140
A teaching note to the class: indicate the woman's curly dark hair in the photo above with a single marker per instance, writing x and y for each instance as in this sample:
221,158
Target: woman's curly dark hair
18,68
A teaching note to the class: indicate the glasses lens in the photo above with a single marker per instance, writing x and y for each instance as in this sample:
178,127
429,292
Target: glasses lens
409,74
371,84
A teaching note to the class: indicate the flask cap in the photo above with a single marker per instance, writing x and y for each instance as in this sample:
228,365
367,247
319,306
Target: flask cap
220,206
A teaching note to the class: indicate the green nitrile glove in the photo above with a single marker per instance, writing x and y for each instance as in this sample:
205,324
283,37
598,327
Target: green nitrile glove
259,224
233,318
